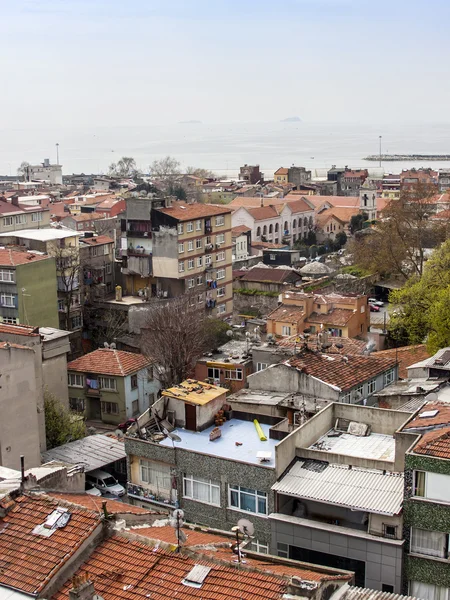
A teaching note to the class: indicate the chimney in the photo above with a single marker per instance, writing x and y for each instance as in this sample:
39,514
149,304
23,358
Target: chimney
83,588
15,200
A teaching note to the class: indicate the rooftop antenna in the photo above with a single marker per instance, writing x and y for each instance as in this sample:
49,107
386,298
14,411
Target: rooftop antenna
177,522
245,527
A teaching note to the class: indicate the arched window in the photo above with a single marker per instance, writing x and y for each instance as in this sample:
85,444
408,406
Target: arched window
258,232
270,229
276,227
294,224
265,230
311,223
305,222
286,226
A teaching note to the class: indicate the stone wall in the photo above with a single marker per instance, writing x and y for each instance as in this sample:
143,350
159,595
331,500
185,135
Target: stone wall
242,304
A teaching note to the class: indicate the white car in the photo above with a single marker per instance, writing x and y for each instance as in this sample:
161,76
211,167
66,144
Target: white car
91,489
375,302
105,482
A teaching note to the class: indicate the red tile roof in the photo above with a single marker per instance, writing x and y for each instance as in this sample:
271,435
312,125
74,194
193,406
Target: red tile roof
282,171
240,229
338,316
95,503
344,372
268,245
29,561
441,418
194,537
351,174
269,275
10,257
182,211
109,362
27,330
349,345
435,443
299,206
124,569
263,213
407,356
82,217
97,240
10,208
287,314
341,213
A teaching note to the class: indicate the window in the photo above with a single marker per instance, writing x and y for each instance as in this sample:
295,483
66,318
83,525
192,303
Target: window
282,550
419,483
190,263
7,276
285,330
76,322
198,243
372,386
106,249
346,398
180,228
248,500
198,225
200,261
273,257
190,227
385,587
9,320
134,382
389,376
234,374
200,299
390,531
75,379
181,266
36,217
107,383
220,220
108,268
157,475
256,546
220,238
76,404
94,251
200,280
7,300
202,490
435,486
208,259
430,591
135,407
261,366
221,308
190,245
180,248
220,256
359,391
213,373
21,219
220,292
191,283
221,274
110,408
7,221
258,232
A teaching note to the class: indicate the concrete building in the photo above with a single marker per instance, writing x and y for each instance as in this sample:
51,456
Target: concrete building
444,180
97,263
342,315
215,473
281,175
332,221
352,180
390,187
299,176
251,174
339,493
111,385
27,287
411,178
241,241
21,405
44,172
192,252
426,508
228,367
15,216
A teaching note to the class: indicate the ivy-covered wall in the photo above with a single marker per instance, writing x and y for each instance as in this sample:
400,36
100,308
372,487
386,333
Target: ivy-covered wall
426,515
427,571
427,463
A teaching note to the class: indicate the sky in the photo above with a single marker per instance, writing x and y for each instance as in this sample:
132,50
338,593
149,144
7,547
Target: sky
83,63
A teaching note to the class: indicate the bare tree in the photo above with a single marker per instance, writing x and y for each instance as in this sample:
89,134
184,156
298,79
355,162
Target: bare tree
165,168
21,171
104,324
125,167
175,336
198,172
68,269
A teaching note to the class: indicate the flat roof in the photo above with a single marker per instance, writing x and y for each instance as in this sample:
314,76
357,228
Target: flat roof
359,489
94,452
42,235
375,446
195,392
239,442
234,351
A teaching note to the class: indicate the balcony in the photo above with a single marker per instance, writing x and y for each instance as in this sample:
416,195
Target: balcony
92,392
140,493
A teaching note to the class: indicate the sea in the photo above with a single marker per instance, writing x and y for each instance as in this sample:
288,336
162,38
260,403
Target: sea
224,148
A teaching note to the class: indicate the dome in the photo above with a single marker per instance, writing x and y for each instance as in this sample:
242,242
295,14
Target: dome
315,268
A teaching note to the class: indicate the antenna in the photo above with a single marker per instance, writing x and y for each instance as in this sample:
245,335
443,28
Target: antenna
177,522
245,527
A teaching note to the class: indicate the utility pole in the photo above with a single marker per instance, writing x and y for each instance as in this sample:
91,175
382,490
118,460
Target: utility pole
380,148
57,153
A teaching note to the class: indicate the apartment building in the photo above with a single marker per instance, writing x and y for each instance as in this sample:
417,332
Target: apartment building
411,178
15,216
192,252
27,287
352,180
45,172
97,263
341,315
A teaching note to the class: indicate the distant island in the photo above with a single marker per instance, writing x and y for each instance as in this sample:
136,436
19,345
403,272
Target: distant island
193,122
400,157
291,120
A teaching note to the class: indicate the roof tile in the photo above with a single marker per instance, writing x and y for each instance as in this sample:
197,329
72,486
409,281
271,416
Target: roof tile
10,257
406,356
105,361
182,211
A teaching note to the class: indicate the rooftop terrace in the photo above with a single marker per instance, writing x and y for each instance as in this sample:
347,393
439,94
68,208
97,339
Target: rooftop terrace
375,446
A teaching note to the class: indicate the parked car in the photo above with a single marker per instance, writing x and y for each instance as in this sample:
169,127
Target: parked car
91,489
105,482
374,308
376,302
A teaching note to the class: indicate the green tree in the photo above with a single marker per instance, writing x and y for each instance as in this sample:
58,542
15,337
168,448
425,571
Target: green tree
422,306
357,222
61,426
216,333
341,239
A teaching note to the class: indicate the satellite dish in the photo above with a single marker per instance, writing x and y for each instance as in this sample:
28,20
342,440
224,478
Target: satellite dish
173,436
246,527
178,513
230,333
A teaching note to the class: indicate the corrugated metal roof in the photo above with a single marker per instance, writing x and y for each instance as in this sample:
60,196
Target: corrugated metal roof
94,452
356,593
359,489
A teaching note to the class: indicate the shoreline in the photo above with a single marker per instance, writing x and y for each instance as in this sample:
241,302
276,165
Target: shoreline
407,157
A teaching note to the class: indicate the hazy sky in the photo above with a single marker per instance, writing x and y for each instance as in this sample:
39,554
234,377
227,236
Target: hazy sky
144,62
